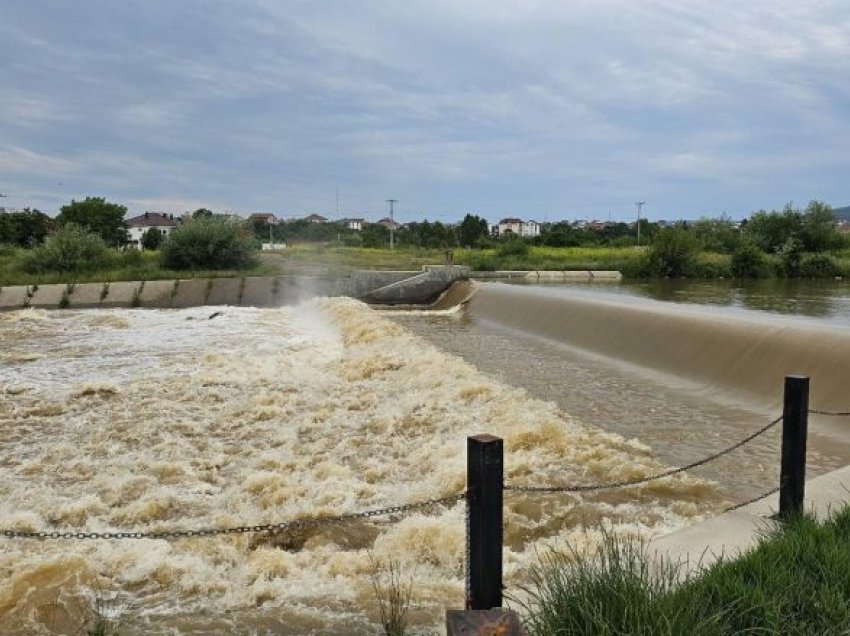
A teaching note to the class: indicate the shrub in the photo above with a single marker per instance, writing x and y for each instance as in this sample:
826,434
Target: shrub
71,248
513,247
790,257
209,243
748,261
152,238
819,266
673,252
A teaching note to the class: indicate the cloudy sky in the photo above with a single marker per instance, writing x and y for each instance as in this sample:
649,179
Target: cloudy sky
536,108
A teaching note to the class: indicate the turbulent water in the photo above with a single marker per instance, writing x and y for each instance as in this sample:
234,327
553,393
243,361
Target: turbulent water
117,420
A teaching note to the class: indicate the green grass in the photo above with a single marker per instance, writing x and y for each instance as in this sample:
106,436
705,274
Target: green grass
125,266
796,581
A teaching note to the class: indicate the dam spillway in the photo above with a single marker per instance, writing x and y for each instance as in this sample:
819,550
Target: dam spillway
722,353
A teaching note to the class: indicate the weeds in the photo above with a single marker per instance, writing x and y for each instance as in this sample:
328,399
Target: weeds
794,582
393,592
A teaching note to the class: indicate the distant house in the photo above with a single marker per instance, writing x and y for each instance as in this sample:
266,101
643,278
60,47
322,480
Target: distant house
354,224
138,225
265,218
387,222
316,218
530,229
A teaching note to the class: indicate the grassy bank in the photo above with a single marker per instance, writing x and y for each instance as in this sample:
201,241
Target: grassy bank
121,265
795,581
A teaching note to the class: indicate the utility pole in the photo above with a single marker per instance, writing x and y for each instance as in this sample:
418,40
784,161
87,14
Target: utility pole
639,205
392,202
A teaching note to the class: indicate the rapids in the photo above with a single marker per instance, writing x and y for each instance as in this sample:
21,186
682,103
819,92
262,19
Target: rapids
114,420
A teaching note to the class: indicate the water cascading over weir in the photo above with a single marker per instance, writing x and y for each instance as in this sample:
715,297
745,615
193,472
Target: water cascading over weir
719,353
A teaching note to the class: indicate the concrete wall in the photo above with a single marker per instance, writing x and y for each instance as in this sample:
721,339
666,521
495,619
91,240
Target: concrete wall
270,291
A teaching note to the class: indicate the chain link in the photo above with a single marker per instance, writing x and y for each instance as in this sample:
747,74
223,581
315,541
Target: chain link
271,528
642,480
830,413
753,500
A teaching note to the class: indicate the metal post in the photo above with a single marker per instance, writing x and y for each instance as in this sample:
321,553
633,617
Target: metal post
485,483
795,420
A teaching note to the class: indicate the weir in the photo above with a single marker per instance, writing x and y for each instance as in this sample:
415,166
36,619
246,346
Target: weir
717,353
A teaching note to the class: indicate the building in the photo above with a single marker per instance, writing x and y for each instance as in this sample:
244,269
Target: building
389,223
354,224
266,218
138,225
316,218
516,227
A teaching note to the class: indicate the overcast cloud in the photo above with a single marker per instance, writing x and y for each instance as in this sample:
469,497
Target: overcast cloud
541,109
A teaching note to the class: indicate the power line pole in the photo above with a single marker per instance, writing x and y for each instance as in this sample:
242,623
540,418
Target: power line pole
392,202
639,205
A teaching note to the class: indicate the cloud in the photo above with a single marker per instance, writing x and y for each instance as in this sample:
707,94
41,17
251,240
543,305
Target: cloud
544,106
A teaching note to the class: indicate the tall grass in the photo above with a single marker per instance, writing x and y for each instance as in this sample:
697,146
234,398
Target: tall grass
796,581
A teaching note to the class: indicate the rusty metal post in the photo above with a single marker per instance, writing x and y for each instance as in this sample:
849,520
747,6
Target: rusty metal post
485,484
795,421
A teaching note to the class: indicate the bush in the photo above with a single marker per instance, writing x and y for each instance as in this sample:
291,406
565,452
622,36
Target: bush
748,261
513,247
209,243
819,266
71,248
673,253
790,257
152,239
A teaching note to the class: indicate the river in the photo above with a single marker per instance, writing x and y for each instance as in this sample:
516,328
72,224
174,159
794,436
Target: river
140,420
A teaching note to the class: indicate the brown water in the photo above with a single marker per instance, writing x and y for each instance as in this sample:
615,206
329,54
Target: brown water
119,420
687,377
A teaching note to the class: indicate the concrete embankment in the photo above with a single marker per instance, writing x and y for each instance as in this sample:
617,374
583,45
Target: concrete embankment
738,531
550,276
389,288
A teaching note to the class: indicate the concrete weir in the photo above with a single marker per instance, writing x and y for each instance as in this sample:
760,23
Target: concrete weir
377,287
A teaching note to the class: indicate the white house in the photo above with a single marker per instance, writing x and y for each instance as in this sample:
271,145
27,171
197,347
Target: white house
517,227
354,224
138,225
530,229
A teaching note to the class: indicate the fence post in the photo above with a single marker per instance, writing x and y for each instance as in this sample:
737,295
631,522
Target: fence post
795,419
485,483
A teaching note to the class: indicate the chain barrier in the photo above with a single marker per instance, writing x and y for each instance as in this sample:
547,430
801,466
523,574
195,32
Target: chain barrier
271,528
642,480
830,413
753,500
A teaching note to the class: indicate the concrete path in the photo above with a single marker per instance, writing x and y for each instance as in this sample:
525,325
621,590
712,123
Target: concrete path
738,531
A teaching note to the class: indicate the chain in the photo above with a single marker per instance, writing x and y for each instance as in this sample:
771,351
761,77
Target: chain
832,413
468,541
271,528
642,480
753,500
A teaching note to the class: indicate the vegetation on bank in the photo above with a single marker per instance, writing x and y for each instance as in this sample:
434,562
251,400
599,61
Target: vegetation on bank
82,244
794,582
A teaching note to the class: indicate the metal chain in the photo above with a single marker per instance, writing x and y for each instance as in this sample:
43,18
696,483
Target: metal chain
271,528
468,539
753,500
832,413
642,480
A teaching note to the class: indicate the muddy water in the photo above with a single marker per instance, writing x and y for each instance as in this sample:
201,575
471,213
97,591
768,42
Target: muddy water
687,377
121,420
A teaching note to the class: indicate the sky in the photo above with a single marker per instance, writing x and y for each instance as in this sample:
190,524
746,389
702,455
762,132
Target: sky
546,110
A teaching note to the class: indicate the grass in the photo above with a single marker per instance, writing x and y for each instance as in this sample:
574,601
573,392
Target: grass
393,592
144,266
796,581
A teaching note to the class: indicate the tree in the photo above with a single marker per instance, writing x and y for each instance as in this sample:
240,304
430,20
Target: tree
771,230
98,215
717,235
26,228
202,213
820,229
209,243
472,229
152,238
673,252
